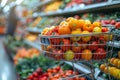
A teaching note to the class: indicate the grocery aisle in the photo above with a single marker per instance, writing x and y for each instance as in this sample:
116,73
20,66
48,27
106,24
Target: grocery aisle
7,68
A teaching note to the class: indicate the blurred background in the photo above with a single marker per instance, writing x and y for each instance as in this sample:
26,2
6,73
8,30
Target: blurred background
21,21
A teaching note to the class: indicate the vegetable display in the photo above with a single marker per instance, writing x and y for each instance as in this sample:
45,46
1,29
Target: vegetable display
75,37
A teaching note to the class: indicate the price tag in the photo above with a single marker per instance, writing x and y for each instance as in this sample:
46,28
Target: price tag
97,72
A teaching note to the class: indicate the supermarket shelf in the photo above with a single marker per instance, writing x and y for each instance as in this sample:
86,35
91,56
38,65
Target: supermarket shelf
43,3
82,8
34,30
116,44
33,44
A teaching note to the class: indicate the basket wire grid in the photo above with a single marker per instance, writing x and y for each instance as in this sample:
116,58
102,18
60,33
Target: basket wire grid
52,47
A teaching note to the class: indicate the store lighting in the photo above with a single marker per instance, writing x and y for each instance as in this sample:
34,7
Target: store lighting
3,3
18,2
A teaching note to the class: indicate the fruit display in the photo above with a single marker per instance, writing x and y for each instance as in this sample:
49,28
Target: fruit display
54,73
31,36
113,71
46,22
52,6
24,53
115,62
75,39
28,67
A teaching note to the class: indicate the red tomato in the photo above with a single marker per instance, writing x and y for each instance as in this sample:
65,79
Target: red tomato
39,70
102,42
30,77
104,29
99,54
93,46
117,25
35,74
64,43
55,40
76,47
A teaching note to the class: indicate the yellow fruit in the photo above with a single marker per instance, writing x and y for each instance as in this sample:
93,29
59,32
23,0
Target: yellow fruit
115,62
86,54
112,70
77,31
108,37
69,55
97,30
116,73
107,68
118,65
86,38
111,60
102,67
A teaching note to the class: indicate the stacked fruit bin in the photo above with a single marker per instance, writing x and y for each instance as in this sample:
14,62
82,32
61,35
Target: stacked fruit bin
75,40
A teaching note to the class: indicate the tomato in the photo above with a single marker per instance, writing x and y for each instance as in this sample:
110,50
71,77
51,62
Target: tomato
86,38
104,29
64,43
93,45
35,74
86,54
57,68
56,29
88,26
96,24
102,42
55,40
55,71
117,25
83,46
97,30
76,47
64,28
107,21
99,54
30,77
77,31
39,71
49,70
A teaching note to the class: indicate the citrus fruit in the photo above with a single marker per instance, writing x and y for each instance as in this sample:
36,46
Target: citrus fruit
69,55
102,67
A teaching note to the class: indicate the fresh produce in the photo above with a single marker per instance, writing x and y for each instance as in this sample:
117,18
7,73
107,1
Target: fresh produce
24,53
97,30
65,43
115,62
76,48
100,53
69,55
117,25
111,70
70,42
77,31
86,38
86,54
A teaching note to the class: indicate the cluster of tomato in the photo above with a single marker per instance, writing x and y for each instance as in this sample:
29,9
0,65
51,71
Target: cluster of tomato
76,47
55,73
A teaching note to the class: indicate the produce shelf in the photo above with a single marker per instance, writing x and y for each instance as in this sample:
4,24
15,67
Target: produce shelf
33,44
83,8
34,30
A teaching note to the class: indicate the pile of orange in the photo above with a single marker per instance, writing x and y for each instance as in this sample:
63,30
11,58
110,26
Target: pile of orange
72,26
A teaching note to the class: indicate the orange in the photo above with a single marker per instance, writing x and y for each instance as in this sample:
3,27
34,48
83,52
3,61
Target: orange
64,28
86,54
87,26
115,62
102,67
81,23
107,68
111,60
118,65
96,24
